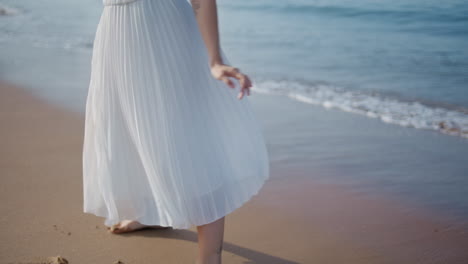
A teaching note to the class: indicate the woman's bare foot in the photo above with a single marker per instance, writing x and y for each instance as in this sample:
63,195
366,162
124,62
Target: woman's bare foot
130,225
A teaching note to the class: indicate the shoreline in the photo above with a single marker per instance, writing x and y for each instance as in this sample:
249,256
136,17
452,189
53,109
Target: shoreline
293,219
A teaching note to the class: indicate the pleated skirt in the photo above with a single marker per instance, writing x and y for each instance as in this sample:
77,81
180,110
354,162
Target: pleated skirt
164,142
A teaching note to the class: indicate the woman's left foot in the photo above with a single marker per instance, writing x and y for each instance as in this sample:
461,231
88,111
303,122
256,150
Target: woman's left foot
130,225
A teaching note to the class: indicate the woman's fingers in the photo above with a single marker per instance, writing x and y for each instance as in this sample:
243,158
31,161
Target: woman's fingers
227,81
241,94
243,79
245,84
249,84
244,90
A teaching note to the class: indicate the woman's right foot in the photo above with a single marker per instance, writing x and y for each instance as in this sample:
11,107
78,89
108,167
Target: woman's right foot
130,226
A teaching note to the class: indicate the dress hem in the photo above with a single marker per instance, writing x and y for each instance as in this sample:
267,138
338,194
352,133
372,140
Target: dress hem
236,206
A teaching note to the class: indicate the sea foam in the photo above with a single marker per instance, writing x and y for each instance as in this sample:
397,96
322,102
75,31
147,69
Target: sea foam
389,109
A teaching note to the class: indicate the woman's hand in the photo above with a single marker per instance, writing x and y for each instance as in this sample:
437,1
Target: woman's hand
206,15
222,72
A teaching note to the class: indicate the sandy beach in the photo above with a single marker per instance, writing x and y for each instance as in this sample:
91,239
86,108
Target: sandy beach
294,218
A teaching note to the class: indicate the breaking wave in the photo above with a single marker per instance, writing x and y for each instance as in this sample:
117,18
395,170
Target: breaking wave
389,109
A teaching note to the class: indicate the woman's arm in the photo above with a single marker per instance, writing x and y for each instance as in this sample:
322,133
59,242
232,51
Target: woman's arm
207,20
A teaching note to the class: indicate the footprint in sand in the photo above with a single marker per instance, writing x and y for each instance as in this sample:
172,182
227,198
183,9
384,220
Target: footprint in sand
61,231
47,260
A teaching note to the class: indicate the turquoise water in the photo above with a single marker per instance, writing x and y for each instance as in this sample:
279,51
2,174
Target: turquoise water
417,49
403,62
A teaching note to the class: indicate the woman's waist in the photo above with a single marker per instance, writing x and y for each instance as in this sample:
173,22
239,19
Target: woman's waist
117,2
124,2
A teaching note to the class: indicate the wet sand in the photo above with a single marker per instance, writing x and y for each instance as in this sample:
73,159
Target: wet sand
293,219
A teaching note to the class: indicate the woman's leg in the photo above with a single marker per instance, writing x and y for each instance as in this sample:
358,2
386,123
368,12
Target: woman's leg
210,242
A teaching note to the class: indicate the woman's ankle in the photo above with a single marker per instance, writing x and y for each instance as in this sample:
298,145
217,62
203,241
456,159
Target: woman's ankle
214,258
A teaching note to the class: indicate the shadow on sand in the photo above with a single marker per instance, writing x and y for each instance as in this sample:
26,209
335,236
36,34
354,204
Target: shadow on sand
254,257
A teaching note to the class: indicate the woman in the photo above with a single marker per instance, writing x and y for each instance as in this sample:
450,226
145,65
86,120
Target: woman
170,139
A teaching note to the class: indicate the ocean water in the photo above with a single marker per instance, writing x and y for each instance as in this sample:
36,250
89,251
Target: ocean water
402,62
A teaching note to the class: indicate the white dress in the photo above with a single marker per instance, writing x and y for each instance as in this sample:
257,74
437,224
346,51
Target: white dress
165,143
